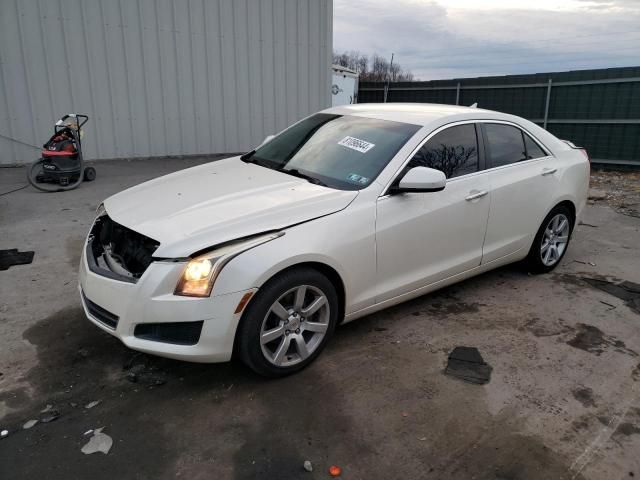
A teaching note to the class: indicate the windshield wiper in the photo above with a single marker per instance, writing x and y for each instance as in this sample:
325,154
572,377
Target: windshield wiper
297,173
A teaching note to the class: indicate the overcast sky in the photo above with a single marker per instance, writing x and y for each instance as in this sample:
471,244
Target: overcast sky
469,38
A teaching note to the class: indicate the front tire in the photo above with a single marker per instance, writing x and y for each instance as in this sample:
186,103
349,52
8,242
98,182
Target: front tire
552,240
288,322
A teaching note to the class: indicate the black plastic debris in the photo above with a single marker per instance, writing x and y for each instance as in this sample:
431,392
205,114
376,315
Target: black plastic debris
467,364
12,257
140,369
629,292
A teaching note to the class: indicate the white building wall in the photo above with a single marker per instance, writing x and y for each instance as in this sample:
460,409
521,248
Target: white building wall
160,77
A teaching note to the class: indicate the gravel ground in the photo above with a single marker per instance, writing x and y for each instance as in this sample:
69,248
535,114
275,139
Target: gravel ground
620,190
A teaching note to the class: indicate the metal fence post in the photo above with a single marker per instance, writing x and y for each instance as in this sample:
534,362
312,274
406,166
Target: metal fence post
458,94
546,106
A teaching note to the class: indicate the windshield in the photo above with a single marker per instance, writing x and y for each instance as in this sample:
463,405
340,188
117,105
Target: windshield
339,151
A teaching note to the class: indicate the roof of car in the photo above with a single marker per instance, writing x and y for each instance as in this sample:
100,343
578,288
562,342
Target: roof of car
416,113
434,115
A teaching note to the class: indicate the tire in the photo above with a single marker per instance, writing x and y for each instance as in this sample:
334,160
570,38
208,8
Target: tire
89,174
551,234
282,352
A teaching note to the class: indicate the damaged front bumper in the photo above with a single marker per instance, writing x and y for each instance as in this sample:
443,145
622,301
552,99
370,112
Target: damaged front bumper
146,316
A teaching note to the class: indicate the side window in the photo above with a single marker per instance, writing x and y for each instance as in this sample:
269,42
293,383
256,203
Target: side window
454,151
506,144
533,150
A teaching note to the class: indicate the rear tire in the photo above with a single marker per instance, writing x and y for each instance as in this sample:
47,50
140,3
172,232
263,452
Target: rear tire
552,240
89,174
288,323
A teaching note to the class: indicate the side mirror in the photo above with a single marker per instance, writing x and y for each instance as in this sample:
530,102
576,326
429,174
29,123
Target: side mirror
267,139
422,179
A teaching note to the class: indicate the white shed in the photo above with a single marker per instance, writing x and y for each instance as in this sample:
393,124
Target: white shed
344,86
160,77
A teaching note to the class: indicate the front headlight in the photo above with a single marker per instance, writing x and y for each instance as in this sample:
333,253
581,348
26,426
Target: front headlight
200,274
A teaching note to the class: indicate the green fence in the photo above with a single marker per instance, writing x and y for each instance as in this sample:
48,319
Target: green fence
597,109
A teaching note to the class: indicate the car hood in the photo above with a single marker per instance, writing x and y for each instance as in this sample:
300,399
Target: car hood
203,206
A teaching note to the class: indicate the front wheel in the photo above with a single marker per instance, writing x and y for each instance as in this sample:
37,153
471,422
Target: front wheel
288,323
551,242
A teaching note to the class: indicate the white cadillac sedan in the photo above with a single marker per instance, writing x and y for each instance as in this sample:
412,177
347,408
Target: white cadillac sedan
346,212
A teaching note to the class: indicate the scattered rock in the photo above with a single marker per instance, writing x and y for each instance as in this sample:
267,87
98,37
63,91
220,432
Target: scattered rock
595,194
92,404
47,408
140,370
308,466
99,442
29,423
82,354
50,416
4,433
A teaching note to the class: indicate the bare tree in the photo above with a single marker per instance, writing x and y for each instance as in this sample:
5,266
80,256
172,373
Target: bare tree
450,159
373,68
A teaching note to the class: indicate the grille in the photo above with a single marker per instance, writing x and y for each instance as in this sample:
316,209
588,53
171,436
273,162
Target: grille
103,316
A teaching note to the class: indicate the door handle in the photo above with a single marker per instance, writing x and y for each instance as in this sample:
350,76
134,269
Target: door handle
548,171
475,195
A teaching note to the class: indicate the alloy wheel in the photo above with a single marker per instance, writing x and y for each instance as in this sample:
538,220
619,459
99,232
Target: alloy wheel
554,239
294,326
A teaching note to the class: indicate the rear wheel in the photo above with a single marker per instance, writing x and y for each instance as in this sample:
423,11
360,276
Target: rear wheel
551,242
288,323
89,174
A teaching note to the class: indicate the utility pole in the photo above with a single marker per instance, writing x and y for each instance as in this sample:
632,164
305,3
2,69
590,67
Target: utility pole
386,87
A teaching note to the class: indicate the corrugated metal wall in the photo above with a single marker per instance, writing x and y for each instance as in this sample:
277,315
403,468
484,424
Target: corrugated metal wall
598,109
160,77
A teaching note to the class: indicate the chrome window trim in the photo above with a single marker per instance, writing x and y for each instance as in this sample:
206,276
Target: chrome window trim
385,190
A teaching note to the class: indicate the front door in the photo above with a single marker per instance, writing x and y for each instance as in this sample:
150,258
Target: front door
422,238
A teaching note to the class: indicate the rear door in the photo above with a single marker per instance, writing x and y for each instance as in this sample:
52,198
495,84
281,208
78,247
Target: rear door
522,178
422,238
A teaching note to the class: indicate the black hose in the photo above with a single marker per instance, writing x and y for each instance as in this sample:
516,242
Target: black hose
58,188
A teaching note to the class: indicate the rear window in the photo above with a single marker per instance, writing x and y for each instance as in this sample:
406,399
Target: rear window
533,149
505,143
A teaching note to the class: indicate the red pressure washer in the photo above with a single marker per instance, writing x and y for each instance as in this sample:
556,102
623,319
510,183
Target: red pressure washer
61,164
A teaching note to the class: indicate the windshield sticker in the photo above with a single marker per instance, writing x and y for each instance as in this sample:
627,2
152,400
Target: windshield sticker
356,144
354,177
